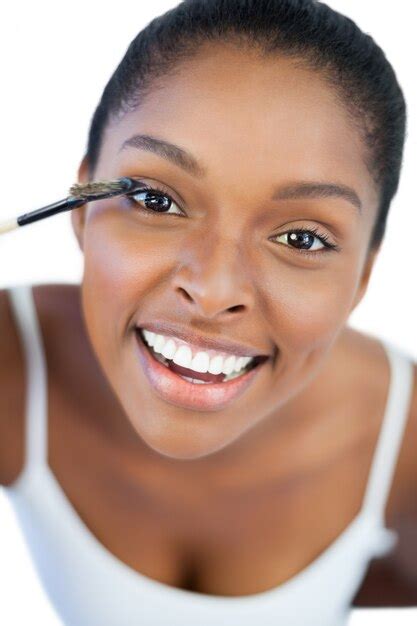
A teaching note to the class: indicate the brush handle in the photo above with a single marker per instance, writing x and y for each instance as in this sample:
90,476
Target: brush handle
57,207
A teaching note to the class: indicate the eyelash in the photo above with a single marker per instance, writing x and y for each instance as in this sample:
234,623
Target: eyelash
328,247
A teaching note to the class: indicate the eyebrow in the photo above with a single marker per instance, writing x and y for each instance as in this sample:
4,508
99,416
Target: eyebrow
291,191
318,190
170,151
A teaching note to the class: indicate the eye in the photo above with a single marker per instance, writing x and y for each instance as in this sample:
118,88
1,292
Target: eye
302,240
156,200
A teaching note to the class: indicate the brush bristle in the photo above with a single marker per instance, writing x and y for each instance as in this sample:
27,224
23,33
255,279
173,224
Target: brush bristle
97,188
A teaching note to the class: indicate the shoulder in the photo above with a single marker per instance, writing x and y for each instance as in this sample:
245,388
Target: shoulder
391,580
396,572
406,518
363,360
401,512
365,355
11,397
51,300
54,301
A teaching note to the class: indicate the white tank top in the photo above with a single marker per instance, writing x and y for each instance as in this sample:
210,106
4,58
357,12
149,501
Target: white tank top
88,585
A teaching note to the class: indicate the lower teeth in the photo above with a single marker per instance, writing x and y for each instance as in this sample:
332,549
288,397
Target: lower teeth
195,380
234,375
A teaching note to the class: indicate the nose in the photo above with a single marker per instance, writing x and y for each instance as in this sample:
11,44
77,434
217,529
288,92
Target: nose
213,280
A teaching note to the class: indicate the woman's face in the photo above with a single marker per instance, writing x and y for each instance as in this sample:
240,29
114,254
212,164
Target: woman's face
220,262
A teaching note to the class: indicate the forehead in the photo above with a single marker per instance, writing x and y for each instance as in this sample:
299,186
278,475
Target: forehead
248,117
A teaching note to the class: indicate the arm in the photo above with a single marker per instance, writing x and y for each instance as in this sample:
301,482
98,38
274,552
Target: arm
11,396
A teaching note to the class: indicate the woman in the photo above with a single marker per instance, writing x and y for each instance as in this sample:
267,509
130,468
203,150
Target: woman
269,139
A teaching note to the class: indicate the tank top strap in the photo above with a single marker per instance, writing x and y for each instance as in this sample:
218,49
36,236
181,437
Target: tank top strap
23,306
391,433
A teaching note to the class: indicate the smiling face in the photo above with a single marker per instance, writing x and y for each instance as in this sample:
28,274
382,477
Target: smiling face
220,261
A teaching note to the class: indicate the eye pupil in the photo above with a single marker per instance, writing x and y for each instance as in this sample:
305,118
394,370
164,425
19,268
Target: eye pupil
301,237
162,202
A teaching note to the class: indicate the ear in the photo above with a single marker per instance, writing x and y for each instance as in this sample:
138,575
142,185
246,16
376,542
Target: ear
366,274
78,214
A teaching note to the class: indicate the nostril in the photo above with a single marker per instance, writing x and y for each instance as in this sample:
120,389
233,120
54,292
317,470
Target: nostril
237,307
186,294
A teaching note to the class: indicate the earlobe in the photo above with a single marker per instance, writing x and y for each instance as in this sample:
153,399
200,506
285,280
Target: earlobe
78,215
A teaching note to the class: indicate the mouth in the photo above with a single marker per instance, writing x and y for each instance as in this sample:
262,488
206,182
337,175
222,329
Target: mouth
179,384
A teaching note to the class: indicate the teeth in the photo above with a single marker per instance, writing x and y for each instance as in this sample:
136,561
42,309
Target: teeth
195,380
169,349
149,336
159,343
199,362
216,365
183,356
229,364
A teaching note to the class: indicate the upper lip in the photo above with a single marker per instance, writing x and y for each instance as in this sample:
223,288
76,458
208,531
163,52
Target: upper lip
197,340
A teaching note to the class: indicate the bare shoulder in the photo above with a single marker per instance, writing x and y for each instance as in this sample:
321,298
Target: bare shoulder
11,397
52,302
395,573
55,301
374,376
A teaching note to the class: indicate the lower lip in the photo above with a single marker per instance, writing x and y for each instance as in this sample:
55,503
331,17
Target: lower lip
174,389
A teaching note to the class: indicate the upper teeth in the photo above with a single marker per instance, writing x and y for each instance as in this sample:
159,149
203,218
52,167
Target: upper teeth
182,354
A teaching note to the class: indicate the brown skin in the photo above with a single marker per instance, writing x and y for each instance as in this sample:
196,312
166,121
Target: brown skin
232,527
159,268
228,520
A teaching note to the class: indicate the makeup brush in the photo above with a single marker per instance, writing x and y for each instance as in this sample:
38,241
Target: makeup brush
80,194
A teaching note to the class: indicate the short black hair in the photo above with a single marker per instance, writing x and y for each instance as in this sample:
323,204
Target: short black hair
307,31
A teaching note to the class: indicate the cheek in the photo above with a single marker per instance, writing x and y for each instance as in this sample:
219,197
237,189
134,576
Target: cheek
308,307
121,265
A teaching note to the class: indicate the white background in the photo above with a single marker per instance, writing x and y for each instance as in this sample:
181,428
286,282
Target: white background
56,58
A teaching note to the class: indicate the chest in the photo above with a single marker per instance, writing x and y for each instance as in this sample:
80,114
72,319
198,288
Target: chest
216,537
262,522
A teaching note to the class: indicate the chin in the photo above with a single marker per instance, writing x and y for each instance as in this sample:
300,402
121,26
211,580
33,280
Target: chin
183,448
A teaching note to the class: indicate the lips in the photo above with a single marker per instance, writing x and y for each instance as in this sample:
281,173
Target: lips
200,397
